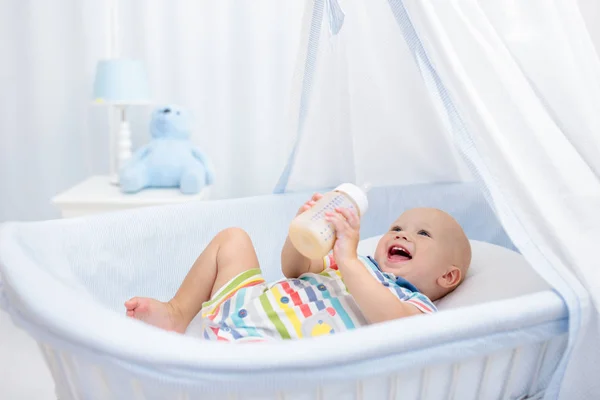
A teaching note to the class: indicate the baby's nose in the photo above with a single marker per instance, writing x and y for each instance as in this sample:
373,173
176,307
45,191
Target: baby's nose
401,237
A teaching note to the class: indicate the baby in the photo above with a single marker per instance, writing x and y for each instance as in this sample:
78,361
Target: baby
424,256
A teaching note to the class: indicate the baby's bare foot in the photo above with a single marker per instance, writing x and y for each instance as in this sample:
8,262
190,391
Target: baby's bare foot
154,312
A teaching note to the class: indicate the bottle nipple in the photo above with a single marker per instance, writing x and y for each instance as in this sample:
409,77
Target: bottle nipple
365,187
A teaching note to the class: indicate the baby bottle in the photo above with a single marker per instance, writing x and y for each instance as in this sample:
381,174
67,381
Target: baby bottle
311,234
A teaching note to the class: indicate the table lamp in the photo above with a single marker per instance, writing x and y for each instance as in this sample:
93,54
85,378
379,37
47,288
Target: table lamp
120,83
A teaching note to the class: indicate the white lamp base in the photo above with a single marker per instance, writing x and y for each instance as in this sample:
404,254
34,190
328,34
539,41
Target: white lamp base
123,144
114,179
122,148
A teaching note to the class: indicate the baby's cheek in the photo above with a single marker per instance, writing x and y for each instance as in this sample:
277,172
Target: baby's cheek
379,252
380,260
437,253
429,263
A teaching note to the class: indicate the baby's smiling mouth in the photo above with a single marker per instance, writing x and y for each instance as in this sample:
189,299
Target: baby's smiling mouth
398,253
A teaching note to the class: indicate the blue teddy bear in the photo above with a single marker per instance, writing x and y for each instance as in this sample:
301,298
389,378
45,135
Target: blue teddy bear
170,159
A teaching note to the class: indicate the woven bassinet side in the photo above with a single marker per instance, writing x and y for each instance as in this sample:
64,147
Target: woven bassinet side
515,373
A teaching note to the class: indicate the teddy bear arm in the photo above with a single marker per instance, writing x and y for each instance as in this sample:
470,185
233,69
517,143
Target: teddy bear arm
142,153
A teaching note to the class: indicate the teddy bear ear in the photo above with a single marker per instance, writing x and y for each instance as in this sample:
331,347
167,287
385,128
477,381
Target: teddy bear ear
183,112
159,110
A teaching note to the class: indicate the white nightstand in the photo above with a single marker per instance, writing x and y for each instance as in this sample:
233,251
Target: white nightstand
97,195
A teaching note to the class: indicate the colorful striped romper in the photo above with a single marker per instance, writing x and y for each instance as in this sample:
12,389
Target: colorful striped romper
248,309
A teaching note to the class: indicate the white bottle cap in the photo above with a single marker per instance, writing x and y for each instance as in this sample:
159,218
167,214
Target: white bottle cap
357,194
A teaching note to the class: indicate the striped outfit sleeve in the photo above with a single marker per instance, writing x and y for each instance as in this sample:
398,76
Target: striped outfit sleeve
329,262
422,302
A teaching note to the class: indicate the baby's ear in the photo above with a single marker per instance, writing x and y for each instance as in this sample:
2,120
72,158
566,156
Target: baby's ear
451,278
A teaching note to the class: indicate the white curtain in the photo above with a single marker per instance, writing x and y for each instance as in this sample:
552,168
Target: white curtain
229,62
514,86
362,105
524,80
361,86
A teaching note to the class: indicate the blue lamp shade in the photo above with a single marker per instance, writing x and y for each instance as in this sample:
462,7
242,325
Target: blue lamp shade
121,81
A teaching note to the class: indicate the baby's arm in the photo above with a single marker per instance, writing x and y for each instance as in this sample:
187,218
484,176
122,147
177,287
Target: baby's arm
294,264
376,302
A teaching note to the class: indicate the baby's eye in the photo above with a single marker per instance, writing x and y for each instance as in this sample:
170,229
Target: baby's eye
423,233
396,229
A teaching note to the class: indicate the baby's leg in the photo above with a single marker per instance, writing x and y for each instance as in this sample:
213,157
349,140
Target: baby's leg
230,253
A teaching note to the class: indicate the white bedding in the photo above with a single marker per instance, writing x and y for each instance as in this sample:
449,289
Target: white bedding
87,267
65,282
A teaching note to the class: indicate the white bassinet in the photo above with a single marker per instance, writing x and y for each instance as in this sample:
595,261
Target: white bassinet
513,89
65,282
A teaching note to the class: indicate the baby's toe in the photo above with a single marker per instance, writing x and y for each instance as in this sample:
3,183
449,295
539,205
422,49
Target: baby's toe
132,303
142,305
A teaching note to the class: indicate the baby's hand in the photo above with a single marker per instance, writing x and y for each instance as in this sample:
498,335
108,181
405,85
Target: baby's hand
308,205
347,230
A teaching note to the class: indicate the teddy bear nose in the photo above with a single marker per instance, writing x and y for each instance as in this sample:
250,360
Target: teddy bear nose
167,110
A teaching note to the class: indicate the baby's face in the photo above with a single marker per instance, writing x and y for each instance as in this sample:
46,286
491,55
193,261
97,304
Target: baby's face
422,245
